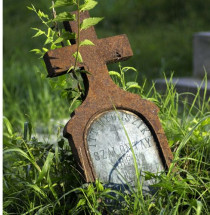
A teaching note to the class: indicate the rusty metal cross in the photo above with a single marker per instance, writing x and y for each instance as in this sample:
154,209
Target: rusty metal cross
95,58
102,93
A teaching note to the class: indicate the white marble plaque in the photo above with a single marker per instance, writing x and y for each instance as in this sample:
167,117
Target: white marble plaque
111,153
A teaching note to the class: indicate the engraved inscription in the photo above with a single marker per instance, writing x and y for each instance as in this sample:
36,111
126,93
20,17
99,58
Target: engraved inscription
110,149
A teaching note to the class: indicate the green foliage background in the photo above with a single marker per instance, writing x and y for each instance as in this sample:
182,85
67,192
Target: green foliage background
160,31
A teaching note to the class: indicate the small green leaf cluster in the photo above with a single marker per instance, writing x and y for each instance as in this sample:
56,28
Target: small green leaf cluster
92,198
120,80
52,37
53,34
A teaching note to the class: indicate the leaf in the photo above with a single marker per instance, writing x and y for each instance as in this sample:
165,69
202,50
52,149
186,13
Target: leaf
53,46
73,94
46,166
113,73
39,32
86,43
90,22
49,32
99,186
125,69
65,16
78,57
27,130
68,35
37,51
41,14
30,8
59,40
21,152
199,207
130,85
81,203
206,122
90,190
68,43
8,125
65,36
45,49
75,103
149,176
48,40
70,69
63,3
134,86
51,188
88,5
37,189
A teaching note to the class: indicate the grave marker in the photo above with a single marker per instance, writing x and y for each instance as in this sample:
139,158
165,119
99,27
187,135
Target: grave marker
201,64
201,54
95,132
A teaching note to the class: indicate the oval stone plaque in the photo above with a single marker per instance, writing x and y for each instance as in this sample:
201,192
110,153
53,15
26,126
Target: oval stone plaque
110,151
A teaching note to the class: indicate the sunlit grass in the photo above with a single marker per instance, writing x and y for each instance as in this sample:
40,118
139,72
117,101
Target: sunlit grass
29,96
42,178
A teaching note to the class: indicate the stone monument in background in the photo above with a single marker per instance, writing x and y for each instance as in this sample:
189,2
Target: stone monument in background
201,54
201,64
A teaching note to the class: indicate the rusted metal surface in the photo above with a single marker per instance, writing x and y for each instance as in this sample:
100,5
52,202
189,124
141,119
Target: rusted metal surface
102,94
108,50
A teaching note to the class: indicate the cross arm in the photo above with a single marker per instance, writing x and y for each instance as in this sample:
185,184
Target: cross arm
59,61
110,50
114,49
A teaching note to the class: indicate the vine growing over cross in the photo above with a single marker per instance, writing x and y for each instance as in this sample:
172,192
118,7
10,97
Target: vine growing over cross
56,37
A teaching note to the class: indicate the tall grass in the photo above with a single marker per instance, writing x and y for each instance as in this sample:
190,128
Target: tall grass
28,96
41,178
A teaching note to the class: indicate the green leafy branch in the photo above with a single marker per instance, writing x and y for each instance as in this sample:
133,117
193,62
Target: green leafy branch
57,37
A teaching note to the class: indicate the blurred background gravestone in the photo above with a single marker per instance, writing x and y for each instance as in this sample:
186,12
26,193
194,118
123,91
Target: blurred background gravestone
201,57
201,66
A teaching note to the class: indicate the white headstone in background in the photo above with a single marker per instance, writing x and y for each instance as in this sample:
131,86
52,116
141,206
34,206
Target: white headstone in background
201,64
201,56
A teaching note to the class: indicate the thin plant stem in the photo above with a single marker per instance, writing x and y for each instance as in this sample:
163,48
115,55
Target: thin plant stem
78,39
55,23
78,34
78,44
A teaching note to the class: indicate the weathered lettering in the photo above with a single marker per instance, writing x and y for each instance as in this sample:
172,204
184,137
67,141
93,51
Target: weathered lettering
91,138
113,155
144,130
137,122
111,152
